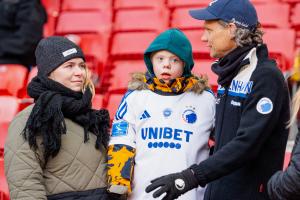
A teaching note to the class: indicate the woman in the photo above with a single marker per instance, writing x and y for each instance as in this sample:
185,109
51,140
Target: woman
285,185
56,148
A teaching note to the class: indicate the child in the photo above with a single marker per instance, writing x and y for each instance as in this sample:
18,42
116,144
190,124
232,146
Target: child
163,122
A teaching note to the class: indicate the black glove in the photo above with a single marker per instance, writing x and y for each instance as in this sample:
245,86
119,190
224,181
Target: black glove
173,184
114,196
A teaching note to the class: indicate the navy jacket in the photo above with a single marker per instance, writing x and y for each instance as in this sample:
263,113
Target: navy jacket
250,132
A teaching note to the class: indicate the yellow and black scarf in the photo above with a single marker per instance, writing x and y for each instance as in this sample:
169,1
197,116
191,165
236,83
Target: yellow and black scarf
175,87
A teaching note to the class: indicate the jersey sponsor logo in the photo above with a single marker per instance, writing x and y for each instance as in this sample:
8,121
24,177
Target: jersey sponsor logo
240,88
264,106
119,129
174,137
167,112
145,115
237,88
189,116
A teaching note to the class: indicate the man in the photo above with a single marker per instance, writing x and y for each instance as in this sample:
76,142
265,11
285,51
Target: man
251,114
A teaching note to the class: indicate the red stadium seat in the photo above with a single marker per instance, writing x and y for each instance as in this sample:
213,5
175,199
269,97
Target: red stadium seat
95,48
295,18
131,45
71,5
9,106
3,134
97,102
84,22
53,10
4,194
290,1
268,15
264,1
281,49
33,72
13,78
200,50
25,99
141,20
188,3
112,103
137,4
203,67
181,19
121,73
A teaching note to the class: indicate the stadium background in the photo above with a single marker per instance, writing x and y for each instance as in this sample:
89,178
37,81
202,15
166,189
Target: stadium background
114,34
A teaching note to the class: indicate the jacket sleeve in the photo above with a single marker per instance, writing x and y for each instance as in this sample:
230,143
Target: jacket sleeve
286,184
121,149
22,167
29,20
254,128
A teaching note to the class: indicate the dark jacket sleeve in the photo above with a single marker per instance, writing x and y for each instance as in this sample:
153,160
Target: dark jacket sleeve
286,184
29,19
253,131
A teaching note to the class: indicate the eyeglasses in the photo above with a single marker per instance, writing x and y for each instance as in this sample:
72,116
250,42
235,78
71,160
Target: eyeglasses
173,61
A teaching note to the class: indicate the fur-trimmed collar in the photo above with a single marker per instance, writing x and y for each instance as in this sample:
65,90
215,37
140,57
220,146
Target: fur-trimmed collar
137,83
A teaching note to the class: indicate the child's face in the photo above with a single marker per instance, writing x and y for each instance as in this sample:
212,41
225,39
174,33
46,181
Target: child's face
166,65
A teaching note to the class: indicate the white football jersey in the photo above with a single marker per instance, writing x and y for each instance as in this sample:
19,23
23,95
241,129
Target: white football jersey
169,133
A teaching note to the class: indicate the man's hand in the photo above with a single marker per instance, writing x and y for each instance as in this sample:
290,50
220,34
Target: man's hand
173,184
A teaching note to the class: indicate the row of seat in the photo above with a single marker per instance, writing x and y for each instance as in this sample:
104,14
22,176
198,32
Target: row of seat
115,31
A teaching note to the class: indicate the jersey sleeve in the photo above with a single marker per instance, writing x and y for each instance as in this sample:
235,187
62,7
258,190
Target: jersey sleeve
121,150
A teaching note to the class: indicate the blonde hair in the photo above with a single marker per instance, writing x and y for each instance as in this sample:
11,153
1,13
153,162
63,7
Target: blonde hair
295,107
88,83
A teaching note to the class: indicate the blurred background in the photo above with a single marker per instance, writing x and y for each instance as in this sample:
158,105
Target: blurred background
114,34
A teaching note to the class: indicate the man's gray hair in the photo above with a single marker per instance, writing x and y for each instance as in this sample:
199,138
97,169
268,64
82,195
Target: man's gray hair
245,37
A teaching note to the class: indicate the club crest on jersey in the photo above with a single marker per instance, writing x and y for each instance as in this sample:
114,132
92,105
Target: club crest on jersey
189,116
264,106
167,112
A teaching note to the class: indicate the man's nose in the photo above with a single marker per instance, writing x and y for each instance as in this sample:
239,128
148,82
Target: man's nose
204,37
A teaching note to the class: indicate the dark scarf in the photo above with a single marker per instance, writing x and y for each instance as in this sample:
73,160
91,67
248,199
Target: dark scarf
54,102
229,66
174,87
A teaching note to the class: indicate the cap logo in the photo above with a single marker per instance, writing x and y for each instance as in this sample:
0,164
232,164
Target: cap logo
211,3
69,52
239,23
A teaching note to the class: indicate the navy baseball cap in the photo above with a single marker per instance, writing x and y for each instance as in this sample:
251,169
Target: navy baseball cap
240,12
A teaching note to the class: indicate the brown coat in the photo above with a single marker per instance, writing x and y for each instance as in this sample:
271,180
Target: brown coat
78,166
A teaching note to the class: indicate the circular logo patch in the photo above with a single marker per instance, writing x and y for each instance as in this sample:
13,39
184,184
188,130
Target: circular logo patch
179,184
264,106
189,116
167,112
